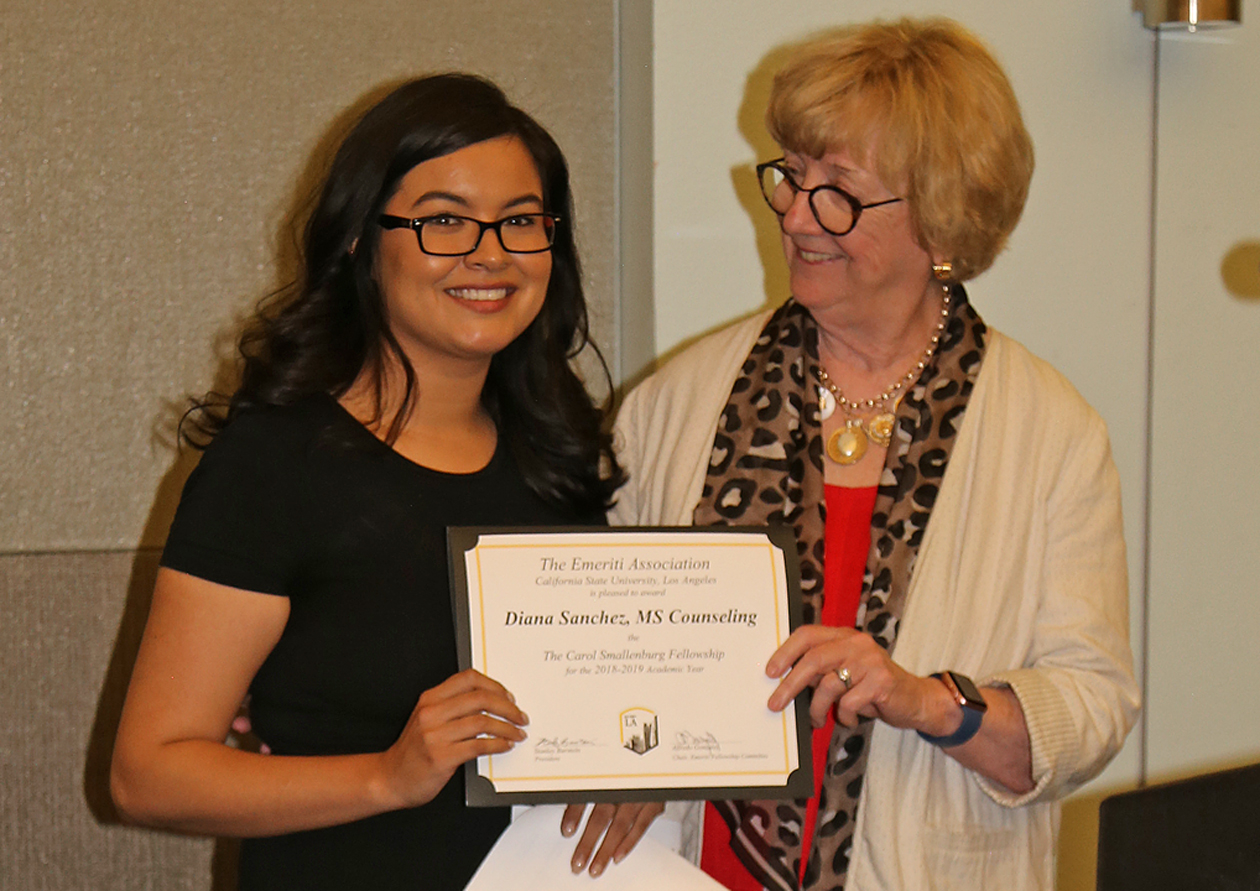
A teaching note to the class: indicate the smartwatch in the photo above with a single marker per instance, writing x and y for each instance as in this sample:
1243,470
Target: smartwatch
968,697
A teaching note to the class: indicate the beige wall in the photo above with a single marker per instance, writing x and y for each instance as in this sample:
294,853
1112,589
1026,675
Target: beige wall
150,154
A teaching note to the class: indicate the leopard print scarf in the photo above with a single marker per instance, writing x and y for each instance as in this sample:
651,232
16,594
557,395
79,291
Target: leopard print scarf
767,468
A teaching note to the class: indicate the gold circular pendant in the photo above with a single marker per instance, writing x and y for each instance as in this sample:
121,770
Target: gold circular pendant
847,445
880,429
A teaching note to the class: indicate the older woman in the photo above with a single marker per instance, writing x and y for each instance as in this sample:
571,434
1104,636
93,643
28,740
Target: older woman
954,498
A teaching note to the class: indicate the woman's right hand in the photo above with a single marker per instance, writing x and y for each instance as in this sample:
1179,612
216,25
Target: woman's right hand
464,717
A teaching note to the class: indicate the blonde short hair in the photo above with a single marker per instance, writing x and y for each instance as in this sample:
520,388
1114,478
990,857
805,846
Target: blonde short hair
927,103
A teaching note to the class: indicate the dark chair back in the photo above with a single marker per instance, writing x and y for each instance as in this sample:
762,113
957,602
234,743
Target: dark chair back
1200,834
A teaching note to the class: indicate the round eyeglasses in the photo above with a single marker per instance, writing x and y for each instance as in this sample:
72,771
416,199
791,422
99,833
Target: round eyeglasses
452,235
835,209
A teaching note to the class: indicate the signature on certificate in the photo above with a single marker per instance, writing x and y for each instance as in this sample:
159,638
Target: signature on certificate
557,745
685,741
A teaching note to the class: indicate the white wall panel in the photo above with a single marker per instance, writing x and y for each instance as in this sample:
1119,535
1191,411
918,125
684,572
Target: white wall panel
1205,495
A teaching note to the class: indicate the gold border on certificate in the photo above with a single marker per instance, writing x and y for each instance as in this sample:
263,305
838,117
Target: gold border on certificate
639,655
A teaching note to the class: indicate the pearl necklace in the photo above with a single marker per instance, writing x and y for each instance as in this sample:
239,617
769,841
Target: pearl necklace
848,444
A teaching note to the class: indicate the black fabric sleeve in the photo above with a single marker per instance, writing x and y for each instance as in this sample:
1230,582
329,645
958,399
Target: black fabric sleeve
239,521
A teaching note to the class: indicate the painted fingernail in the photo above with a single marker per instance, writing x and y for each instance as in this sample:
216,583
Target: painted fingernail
578,863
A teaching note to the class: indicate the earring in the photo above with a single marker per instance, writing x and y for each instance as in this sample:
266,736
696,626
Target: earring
942,271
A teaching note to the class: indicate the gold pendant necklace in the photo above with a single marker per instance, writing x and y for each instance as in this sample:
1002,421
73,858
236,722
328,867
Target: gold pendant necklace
849,444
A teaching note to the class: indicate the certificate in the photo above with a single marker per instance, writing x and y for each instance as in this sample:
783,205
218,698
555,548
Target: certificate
639,656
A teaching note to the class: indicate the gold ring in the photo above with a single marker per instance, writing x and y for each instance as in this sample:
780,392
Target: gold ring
845,677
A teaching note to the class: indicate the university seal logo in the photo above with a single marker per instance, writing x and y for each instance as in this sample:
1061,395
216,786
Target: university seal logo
640,730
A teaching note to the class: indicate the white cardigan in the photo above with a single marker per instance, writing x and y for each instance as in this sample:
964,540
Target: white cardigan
1020,581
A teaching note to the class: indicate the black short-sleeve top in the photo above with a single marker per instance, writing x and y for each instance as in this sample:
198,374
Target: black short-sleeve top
303,502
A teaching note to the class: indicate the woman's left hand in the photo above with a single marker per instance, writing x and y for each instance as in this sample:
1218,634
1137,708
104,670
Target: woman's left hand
625,824
878,686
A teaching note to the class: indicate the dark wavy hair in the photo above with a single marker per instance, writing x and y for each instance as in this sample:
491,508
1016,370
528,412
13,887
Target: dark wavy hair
318,334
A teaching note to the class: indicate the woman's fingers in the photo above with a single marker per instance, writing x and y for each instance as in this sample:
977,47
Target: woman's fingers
468,708
628,826
473,706
472,727
808,654
601,816
572,819
469,693
620,826
877,687
466,716
800,642
829,692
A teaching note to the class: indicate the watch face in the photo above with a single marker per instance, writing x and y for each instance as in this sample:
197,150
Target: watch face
969,691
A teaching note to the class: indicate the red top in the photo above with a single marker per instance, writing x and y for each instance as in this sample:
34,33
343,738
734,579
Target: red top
847,543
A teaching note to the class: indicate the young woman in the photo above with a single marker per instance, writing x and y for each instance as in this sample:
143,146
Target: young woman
416,377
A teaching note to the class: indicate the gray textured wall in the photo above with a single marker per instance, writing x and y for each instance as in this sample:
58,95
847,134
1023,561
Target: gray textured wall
150,154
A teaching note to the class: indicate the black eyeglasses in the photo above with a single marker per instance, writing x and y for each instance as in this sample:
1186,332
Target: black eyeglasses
835,209
452,235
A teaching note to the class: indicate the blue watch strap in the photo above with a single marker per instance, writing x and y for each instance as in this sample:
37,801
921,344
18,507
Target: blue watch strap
973,713
969,727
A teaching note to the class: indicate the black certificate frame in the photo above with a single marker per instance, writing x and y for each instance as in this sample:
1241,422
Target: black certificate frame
480,790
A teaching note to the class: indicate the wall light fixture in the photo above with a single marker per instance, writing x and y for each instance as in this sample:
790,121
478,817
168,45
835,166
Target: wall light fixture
1189,15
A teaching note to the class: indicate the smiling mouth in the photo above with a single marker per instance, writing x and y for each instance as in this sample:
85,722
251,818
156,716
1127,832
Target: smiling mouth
814,256
479,294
